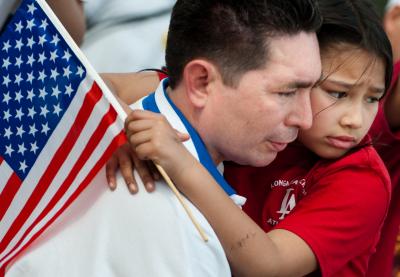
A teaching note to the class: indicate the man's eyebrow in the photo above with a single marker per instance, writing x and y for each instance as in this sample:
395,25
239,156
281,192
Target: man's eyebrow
304,84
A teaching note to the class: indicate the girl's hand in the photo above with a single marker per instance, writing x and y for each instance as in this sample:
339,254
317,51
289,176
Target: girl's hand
151,137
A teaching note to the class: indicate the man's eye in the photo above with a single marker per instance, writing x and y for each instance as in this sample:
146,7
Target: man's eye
287,93
337,94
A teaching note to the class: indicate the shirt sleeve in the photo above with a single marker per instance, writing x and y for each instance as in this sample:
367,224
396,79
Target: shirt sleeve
341,216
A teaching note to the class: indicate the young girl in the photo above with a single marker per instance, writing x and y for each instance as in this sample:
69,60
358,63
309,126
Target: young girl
330,188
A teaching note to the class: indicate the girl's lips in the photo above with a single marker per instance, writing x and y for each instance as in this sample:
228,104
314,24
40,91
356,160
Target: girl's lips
342,142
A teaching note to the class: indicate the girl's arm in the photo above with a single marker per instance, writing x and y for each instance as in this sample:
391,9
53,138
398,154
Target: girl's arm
128,88
250,251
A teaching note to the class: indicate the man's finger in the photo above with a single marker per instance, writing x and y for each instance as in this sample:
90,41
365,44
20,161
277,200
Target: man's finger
144,173
126,167
111,169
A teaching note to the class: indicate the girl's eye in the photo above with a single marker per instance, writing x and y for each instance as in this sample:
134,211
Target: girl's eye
373,99
337,94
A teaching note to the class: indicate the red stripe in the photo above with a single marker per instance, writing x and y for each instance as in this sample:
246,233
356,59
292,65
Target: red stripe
91,98
117,141
106,121
1,159
7,195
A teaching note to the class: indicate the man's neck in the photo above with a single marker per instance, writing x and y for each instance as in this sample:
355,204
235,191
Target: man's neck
181,101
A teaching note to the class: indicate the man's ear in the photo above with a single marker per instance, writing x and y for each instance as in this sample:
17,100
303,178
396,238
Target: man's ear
198,76
391,20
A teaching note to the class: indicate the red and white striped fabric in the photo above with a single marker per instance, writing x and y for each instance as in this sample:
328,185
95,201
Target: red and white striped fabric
57,128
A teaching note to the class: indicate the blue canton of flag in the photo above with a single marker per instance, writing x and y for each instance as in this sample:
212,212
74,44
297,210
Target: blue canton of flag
57,129
39,77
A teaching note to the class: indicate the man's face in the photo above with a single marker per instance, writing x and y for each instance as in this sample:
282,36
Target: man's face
253,121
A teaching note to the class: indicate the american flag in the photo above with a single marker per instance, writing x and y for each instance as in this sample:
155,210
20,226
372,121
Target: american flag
57,128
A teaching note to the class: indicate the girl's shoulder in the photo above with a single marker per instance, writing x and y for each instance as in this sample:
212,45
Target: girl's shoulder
362,164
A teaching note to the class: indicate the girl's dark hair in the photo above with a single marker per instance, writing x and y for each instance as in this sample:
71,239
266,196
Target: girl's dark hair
355,22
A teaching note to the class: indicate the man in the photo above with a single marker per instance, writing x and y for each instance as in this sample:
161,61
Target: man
241,74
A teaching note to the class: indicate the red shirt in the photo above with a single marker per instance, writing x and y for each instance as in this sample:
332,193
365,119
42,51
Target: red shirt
336,206
388,147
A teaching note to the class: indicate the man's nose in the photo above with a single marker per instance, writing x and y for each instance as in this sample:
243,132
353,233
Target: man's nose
301,115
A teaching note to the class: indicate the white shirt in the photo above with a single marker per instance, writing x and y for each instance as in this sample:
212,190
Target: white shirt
107,233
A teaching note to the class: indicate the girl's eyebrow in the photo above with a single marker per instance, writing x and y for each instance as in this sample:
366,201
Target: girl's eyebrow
348,86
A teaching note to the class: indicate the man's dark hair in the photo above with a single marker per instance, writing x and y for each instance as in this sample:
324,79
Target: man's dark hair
233,34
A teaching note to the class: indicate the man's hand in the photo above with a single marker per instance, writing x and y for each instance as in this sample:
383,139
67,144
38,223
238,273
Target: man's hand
126,160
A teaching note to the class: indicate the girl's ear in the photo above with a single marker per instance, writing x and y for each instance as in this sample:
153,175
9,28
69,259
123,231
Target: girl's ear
198,75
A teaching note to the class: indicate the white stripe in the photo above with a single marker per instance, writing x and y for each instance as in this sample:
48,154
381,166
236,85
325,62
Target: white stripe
115,128
65,169
43,160
168,111
5,173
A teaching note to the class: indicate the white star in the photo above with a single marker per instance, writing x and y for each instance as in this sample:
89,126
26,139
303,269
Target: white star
42,57
32,129
56,92
6,45
80,71
42,40
18,96
30,24
31,8
6,62
18,79
18,61
67,55
7,97
31,112
9,150
57,109
45,128
18,27
31,42
7,115
44,24
68,90
67,72
22,166
8,132
34,147
54,73
30,77
31,59
55,40
19,114
42,93
44,111
42,75
30,95
6,80
21,148
20,131
53,56
19,44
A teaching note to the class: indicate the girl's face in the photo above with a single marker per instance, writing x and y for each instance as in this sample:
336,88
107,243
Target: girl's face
345,103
